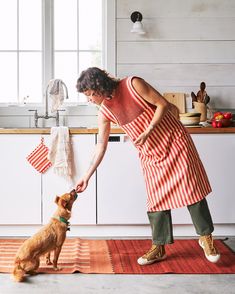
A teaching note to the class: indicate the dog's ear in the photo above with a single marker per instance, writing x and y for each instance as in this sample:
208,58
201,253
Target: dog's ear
63,203
57,199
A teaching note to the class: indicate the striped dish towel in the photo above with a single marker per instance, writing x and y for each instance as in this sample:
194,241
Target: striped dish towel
38,157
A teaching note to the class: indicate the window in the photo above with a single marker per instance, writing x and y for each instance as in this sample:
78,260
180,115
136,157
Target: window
20,50
77,39
46,39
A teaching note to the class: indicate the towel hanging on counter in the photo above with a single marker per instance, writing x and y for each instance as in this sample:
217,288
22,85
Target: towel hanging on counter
60,152
38,157
56,92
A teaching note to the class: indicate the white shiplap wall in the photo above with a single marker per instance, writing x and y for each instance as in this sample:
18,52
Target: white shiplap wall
187,41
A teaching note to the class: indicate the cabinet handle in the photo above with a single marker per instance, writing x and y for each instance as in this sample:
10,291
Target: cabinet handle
114,139
120,139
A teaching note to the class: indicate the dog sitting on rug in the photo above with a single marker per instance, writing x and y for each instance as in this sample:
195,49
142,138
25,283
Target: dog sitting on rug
50,238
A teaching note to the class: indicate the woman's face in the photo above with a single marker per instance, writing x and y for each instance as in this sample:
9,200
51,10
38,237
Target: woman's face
93,97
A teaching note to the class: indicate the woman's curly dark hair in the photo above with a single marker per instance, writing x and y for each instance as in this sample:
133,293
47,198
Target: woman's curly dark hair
97,80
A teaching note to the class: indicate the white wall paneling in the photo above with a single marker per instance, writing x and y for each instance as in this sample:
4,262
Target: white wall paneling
187,42
187,78
216,75
181,8
176,52
179,28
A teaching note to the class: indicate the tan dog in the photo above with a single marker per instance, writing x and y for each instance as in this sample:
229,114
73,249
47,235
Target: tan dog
50,238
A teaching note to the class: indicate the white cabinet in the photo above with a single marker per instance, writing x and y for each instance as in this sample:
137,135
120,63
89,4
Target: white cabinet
84,209
217,152
27,197
121,195
20,189
116,194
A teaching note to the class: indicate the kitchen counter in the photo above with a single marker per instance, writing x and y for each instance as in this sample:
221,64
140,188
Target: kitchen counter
77,130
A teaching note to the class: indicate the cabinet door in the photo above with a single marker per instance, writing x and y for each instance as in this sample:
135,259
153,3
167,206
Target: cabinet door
217,154
121,195
84,209
20,189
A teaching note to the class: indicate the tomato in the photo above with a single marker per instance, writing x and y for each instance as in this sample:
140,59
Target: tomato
214,124
217,113
219,124
227,115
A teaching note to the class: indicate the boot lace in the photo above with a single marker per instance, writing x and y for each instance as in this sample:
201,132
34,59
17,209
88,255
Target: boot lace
209,245
154,250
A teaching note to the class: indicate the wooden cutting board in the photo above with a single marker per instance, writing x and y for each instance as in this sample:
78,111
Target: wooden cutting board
178,99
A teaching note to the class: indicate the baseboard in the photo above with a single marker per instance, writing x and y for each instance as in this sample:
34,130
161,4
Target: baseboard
115,231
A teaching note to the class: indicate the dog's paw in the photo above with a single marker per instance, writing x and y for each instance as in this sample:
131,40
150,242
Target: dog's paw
48,262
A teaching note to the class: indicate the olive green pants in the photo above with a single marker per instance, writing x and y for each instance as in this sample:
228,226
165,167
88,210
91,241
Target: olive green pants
161,222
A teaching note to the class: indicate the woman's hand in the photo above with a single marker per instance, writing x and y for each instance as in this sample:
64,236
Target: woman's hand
141,139
81,185
144,136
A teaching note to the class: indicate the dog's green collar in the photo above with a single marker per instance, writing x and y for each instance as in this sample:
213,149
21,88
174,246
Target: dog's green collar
62,219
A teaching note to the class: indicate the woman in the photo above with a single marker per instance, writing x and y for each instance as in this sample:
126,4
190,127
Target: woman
173,172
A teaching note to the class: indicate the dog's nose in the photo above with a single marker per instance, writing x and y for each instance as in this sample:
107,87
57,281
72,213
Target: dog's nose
74,194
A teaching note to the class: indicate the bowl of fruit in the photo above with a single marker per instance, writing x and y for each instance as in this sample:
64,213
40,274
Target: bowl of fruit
222,119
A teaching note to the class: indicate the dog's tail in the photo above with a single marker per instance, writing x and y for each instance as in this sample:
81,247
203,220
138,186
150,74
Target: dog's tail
18,272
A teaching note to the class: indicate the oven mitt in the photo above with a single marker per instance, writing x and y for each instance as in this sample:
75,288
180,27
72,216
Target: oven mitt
38,157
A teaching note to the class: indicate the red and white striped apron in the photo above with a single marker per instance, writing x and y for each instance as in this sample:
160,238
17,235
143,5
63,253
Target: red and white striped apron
173,172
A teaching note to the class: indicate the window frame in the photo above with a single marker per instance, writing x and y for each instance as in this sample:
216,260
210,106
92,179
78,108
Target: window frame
108,48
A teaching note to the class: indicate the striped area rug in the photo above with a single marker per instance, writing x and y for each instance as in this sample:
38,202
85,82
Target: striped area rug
77,255
119,257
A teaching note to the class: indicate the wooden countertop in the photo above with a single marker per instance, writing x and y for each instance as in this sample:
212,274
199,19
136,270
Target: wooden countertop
74,130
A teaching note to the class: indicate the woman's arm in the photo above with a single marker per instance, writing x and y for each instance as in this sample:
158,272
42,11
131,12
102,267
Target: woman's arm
101,146
151,95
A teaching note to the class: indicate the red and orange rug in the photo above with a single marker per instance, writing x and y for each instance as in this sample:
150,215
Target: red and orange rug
119,257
